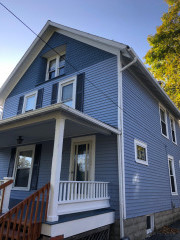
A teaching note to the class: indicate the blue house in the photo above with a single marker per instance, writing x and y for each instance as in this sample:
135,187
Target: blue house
90,140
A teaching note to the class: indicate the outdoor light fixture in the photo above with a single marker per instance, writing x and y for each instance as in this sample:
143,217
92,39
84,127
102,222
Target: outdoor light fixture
20,140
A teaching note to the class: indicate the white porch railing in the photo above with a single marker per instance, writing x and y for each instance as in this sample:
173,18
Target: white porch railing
76,196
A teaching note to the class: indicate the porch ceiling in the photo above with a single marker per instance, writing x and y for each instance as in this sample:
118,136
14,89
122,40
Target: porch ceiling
42,131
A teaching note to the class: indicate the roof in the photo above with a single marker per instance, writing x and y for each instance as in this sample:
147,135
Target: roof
102,43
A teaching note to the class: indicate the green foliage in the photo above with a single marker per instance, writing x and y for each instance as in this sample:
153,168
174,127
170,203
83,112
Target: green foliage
164,55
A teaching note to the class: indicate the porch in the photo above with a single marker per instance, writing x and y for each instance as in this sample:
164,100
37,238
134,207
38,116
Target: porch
75,150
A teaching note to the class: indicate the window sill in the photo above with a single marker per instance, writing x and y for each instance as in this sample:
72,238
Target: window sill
167,137
141,162
20,189
174,194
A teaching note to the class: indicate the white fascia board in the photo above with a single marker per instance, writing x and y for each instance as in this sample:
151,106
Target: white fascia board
66,110
155,82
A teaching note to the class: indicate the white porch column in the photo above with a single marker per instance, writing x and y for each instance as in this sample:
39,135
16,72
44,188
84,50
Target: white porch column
56,170
1,112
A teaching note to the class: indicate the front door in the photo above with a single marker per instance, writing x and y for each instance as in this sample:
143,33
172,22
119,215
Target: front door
82,160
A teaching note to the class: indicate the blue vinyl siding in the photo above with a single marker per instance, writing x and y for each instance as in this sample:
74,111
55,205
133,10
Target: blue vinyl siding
147,187
103,74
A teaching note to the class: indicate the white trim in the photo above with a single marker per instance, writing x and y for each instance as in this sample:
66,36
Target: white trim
74,227
25,100
23,148
86,139
68,81
144,145
150,230
174,124
171,158
161,107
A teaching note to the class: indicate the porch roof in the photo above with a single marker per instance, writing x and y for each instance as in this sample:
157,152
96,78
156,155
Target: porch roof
41,122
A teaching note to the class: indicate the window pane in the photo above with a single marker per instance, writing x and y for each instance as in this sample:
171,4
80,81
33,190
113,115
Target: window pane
52,65
163,127
172,184
162,115
52,75
25,159
30,103
170,168
22,177
172,124
67,92
141,153
173,136
62,71
62,61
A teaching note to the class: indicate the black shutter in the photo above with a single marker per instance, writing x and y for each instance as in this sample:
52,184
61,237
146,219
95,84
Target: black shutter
11,162
80,92
40,98
20,106
35,172
54,95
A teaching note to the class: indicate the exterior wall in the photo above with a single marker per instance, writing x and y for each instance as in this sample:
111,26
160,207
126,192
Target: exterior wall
99,66
105,166
147,188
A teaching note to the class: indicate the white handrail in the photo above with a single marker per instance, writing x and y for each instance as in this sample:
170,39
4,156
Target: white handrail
73,191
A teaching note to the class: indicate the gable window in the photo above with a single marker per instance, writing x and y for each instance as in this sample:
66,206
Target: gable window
23,167
163,120
172,175
173,129
68,92
140,152
55,66
30,102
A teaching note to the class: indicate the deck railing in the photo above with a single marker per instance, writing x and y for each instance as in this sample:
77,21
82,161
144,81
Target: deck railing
73,191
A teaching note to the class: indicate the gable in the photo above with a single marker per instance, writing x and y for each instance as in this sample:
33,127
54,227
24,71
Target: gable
79,56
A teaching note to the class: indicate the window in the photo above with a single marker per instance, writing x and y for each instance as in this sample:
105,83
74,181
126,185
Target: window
150,224
172,175
163,120
140,152
23,167
55,66
30,102
68,92
173,129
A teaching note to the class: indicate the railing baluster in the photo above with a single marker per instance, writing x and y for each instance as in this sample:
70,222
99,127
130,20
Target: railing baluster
68,192
72,191
75,192
64,192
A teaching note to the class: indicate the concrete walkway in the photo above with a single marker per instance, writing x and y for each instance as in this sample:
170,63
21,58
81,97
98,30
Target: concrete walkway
160,236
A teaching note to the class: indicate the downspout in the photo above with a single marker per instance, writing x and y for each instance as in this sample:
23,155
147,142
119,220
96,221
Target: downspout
1,112
120,144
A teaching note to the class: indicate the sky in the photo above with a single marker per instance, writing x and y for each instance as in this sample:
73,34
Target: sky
125,21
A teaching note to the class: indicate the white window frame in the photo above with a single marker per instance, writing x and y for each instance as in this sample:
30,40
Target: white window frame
144,145
161,107
150,230
86,139
25,101
57,58
171,158
19,149
67,82
174,124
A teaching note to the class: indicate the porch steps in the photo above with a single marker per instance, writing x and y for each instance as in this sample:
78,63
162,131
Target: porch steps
23,221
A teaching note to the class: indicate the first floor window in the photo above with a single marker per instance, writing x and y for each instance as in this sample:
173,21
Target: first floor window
23,167
163,117
173,129
30,102
140,152
172,175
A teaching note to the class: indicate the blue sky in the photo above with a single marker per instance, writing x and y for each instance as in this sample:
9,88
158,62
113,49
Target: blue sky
126,21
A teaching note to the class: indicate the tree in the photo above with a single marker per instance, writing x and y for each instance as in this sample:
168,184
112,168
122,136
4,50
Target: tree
164,55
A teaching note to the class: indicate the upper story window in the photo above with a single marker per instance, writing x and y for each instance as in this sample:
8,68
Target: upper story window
30,102
173,129
55,66
172,175
68,92
140,152
163,121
